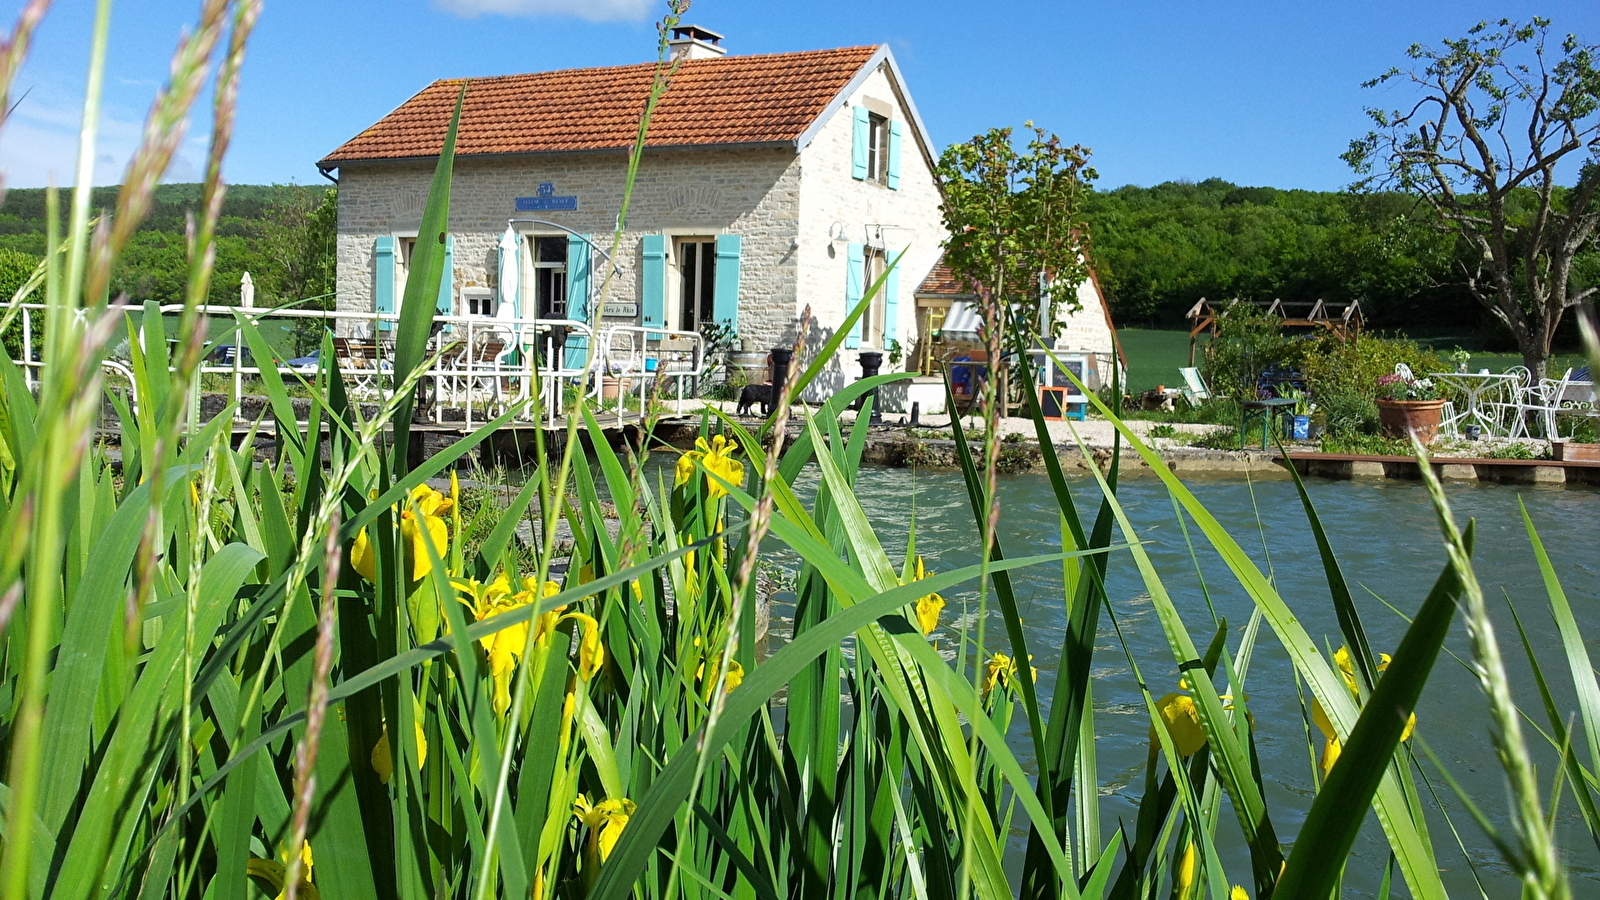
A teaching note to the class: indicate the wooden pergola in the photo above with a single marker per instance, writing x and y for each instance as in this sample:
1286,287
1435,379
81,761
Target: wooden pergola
1341,319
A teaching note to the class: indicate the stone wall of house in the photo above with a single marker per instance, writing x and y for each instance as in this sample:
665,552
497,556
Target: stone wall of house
752,192
1090,329
831,200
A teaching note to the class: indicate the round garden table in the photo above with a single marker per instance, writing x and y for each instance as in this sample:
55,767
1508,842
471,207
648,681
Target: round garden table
1478,388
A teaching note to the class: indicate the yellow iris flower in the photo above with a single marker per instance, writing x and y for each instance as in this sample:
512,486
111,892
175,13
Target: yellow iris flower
504,647
999,672
1238,893
1331,745
734,678
1183,723
717,458
275,872
928,606
605,821
383,757
1183,877
422,521
591,653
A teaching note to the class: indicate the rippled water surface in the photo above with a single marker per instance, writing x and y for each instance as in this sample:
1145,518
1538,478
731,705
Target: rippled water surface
1386,535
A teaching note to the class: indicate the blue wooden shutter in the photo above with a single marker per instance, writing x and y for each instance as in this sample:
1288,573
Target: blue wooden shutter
855,262
891,306
653,281
447,283
726,298
858,148
383,278
578,278
895,131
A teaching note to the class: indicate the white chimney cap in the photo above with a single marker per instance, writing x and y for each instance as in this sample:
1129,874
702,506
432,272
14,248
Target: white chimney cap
694,42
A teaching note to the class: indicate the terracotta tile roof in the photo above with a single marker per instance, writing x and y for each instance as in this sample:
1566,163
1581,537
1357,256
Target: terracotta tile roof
730,100
941,282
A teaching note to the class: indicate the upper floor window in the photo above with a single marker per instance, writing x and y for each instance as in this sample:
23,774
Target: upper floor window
877,148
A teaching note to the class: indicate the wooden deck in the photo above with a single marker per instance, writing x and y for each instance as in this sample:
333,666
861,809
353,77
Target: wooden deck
1512,471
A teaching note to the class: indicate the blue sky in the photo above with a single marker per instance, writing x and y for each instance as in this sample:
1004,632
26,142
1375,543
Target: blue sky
1257,93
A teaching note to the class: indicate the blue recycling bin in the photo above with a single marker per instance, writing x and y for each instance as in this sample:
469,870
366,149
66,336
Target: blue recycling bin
1299,428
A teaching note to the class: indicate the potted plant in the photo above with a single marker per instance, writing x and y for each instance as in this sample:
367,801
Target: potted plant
1409,406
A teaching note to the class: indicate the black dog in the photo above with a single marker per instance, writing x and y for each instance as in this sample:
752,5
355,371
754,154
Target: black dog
753,394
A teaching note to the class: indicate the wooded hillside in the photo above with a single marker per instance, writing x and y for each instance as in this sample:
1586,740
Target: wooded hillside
282,234
1157,250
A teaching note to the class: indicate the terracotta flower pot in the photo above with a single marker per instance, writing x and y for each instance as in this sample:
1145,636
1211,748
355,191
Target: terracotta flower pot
1400,418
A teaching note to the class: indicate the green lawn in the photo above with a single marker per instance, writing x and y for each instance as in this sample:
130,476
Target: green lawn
1155,355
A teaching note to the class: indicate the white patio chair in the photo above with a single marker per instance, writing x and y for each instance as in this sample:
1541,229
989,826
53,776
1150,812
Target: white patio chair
1404,371
1504,403
1195,389
1572,396
1541,402
1448,423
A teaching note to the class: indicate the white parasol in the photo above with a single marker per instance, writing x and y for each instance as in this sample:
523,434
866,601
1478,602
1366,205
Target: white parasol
510,275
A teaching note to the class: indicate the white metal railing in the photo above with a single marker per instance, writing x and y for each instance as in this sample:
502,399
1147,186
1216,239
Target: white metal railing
484,365
634,358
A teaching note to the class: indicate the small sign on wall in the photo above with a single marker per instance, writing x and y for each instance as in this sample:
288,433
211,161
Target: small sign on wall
546,200
620,309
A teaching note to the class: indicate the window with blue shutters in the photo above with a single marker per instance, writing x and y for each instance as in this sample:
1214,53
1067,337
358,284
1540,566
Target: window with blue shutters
383,298
653,281
895,132
446,304
854,290
858,147
729,247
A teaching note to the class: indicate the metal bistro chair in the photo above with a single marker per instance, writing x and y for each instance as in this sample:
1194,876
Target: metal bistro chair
1503,405
1568,395
1535,401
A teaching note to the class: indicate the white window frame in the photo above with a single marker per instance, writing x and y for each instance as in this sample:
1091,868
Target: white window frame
491,302
874,262
877,148
675,257
405,244
529,288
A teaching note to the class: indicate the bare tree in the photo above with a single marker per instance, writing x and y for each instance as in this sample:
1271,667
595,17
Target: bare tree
1499,118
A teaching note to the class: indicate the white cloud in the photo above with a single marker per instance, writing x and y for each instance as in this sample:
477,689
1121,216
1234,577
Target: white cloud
593,10
39,144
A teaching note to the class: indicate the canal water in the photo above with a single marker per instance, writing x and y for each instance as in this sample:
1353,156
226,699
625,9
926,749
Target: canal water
1387,539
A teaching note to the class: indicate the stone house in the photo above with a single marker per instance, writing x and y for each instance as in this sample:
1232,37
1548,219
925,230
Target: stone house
770,183
946,309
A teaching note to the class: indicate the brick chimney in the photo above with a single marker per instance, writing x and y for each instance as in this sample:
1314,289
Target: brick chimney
694,42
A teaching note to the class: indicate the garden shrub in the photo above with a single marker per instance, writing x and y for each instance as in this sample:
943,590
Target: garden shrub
15,269
1248,341
1342,375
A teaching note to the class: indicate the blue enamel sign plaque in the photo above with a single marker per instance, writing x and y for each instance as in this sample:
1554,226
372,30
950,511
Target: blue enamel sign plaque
546,200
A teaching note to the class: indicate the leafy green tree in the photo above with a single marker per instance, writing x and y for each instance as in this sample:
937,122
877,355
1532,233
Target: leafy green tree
16,268
296,240
1492,120
1015,219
